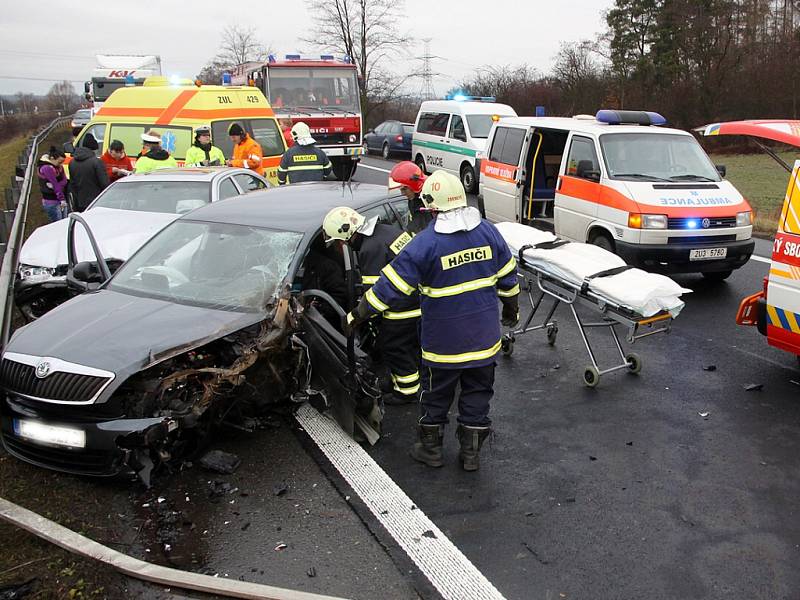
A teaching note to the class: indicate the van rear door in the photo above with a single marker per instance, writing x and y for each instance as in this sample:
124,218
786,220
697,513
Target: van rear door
501,172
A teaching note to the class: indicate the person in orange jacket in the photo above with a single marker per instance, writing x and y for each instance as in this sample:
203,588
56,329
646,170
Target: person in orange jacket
246,151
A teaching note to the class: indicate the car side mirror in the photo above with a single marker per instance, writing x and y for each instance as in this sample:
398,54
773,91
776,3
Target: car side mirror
593,176
69,148
722,170
85,87
88,272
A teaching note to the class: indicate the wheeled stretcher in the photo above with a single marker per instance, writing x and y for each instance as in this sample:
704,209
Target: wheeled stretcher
555,272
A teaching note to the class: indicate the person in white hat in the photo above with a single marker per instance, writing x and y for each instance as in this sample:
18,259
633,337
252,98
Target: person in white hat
303,161
155,157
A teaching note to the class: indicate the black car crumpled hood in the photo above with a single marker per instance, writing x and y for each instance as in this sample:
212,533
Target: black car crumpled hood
122,333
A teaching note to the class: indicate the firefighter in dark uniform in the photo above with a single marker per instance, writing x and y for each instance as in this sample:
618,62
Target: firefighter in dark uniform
376,245
303,161
409,178
461,266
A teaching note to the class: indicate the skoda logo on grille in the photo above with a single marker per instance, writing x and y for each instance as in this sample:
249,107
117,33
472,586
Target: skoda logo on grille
706,223
43,369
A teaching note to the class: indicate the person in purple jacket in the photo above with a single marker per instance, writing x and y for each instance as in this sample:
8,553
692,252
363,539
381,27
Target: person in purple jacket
53,183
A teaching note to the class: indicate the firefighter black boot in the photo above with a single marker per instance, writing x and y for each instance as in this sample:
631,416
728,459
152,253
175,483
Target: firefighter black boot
471,440
428,449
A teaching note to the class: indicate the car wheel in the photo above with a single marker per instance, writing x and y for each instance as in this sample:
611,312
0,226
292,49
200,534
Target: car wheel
420,162
603,240
468,179
385,151
717,275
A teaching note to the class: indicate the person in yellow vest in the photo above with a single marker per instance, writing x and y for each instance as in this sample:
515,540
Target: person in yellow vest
156,157
202,153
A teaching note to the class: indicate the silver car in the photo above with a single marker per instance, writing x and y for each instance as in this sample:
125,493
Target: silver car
123,217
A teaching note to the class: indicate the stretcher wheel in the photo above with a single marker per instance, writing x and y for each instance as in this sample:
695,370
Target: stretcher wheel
507,345
552,333
634,362
591,376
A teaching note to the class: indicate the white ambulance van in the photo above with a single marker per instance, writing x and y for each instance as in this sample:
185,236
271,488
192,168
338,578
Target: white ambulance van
449,133
622,181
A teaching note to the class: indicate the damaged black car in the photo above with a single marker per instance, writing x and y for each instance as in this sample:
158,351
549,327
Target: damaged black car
216,318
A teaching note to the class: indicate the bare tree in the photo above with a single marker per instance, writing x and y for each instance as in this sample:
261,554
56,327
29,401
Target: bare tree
367,31
62,97
237,45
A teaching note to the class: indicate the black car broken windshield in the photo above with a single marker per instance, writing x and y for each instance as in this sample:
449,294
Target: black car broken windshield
215,265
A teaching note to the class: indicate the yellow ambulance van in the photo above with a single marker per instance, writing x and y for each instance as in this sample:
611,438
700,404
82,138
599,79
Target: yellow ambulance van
176,109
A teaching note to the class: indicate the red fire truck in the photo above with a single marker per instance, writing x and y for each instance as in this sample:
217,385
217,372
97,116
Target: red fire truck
322,92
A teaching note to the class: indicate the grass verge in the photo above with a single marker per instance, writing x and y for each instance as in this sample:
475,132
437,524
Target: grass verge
762,181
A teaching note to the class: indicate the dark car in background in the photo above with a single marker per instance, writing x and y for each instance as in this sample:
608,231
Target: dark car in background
389,138
214,318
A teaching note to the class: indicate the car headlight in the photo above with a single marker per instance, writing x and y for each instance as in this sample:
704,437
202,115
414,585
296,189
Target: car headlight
32,273
743,219
642,221
352,139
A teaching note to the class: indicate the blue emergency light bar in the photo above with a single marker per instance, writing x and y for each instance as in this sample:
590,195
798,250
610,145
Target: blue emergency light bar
630,117
326,56
465,98
292,57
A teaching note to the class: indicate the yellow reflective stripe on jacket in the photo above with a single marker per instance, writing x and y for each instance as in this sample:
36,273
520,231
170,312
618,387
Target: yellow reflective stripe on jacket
374,301
508,293
406,391
369,279
406,378
454,290
304,168
406,314
507,268
462,358
397,281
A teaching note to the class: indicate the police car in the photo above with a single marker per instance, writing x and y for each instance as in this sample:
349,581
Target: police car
449,133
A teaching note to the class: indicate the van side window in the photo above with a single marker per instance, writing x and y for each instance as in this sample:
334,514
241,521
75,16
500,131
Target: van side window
582,160
382,212
98,130
175,140
507,145
791,220
433,123
457,131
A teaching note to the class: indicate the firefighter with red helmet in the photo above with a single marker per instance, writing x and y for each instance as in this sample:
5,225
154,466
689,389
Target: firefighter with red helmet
409,178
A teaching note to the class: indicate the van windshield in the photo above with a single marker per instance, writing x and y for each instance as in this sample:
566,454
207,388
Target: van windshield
656,157
264,131
479,125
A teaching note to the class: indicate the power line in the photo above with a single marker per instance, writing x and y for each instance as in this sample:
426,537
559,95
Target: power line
41,79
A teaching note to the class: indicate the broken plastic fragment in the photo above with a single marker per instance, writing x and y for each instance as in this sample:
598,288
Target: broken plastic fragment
704,414
280,547
753,387
710,368
312,572
429,534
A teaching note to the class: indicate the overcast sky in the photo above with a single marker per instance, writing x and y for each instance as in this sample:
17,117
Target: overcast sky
43,45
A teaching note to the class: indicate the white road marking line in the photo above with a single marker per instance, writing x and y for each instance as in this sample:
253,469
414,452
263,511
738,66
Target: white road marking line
448,570
361,165
760,259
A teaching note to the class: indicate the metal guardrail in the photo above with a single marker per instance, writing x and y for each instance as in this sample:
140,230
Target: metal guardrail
17,209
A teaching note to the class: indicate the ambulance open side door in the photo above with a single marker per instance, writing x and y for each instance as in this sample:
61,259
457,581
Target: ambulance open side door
503,173
783,285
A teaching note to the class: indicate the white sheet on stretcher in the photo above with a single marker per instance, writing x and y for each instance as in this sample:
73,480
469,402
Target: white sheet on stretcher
644,293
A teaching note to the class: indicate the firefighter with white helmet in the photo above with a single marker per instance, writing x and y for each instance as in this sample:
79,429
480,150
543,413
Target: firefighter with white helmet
461,266
376,245
303,161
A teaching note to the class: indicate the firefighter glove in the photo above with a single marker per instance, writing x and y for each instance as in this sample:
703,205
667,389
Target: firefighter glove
510,314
